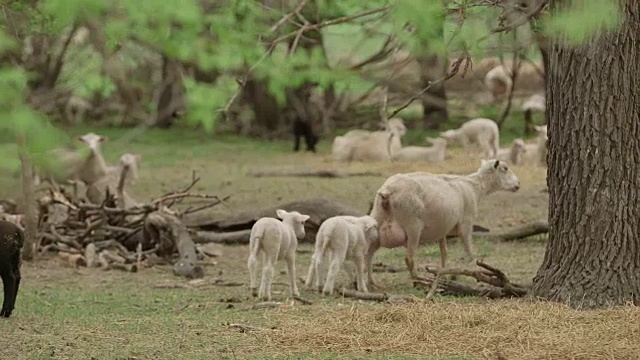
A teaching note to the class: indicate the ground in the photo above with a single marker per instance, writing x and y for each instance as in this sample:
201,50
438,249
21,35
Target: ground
65,313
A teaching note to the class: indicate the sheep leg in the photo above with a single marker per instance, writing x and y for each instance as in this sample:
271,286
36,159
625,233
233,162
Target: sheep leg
252,264
17,275
337,258
371,249
311,274
320,270
413,232
267,277
9,284
443,252
360,265
466,146
465,234
291,269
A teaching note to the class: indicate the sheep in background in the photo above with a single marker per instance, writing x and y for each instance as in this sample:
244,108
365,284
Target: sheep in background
417,208
515,154
11,243
481,131
499,82
435,153
535,103
361,145
536,153
341,238
277,240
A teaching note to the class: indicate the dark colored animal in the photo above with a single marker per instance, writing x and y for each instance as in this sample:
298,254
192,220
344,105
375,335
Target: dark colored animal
302,128
11,242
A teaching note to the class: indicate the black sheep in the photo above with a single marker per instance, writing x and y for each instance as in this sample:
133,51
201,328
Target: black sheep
11,242
302,128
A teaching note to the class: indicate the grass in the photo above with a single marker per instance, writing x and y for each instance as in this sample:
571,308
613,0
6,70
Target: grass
66,313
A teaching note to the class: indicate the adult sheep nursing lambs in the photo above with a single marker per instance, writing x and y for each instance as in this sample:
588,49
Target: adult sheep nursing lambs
434,153
341,238
481,131
11,242
277,240
362,145
417,208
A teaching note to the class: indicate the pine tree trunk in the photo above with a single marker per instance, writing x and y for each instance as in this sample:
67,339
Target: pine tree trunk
593,111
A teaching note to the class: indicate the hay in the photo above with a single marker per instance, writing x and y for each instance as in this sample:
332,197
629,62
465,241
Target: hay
506,329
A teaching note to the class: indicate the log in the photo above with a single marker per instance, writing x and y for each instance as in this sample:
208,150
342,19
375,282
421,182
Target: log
319,210
363,295
323,173
532,229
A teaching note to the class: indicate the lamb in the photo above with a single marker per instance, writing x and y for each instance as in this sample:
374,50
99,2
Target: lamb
499,82
435,153
361,145
536,153
127,159
96,191
11,242
481,131
342,238
277,240
417,208
513,155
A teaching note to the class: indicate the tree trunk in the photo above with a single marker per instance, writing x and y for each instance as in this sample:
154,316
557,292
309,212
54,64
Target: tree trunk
29,208
434,100
593,111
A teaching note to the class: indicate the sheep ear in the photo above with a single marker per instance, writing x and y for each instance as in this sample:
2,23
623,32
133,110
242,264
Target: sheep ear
304,217
482,162
80,138
281,213
103,138
495,165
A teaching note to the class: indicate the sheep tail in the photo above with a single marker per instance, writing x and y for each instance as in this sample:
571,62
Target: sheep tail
254,246
385,201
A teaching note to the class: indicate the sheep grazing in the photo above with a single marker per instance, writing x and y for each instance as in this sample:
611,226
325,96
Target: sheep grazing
417,208
536,153
11,242
277,240
435,153
499,82
515,154
341,238
361,145
481,131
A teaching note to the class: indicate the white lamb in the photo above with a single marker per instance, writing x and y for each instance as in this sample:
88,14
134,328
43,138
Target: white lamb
277,240
435,153
481,131
535,102
499,82
417,208
514,154
341,238
536,153
360,145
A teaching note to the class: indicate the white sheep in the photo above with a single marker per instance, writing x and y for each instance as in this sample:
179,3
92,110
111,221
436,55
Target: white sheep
341,238
499,82
96,191
277,240
481,131
417,208
514,154
434,153
535,102
536,153
130,160
361,145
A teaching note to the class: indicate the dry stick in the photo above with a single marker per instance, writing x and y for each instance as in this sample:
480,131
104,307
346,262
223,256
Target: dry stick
455,68
523,19
303,300
434,286
288,16
363,295
515,68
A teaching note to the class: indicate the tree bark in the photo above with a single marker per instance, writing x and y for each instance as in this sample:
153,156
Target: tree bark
30,210
434,100
593,111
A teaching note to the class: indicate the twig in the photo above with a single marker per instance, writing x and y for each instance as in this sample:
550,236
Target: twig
303,300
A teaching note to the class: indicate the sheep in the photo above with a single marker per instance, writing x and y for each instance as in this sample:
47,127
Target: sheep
499,82
361,145
481,131
536,153
513,154
96,191
435,153
277,240
344,238
11,242
417,208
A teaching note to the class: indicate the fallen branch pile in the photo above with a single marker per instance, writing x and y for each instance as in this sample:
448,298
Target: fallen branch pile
494,283
113,237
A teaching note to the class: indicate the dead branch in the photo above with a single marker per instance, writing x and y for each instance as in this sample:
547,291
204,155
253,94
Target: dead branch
229,238
245,328
363,295
323,173
532,229
303,300
266,305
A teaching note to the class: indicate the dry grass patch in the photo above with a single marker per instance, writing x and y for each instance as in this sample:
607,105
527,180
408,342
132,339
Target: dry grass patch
506,329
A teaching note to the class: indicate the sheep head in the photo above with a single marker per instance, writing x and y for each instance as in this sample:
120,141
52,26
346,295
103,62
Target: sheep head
295,220
501,177
93,141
